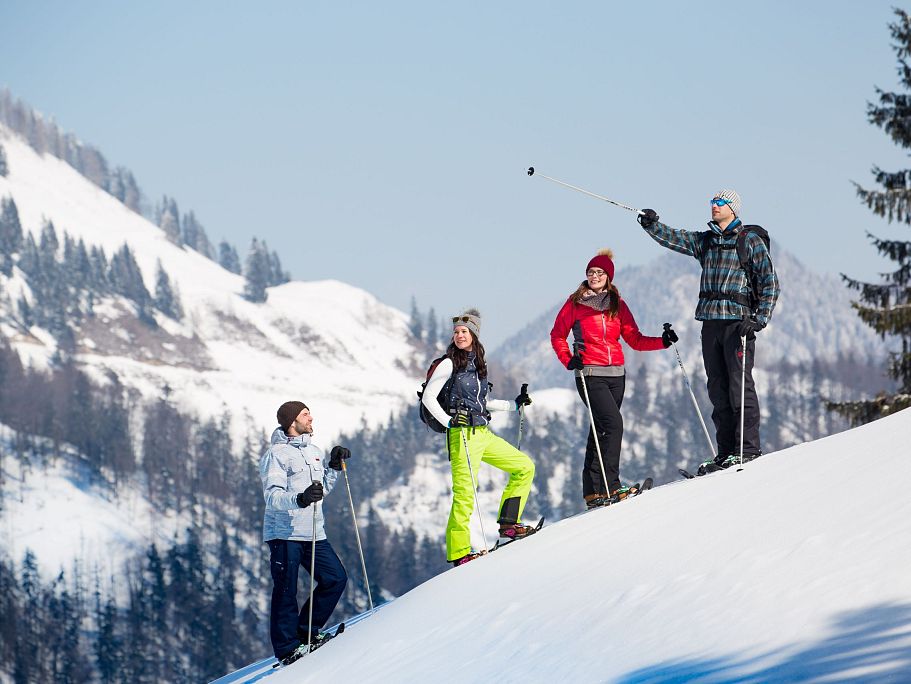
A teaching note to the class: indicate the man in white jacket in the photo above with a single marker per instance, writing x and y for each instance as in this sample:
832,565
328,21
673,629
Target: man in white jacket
294,478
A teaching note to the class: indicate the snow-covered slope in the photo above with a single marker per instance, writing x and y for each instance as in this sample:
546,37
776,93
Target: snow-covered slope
794,569
331,345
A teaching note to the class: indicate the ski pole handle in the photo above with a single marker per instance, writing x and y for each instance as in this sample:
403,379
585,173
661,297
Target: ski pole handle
521,417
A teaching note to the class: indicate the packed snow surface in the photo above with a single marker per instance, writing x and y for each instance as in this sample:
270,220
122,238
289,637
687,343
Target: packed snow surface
795,568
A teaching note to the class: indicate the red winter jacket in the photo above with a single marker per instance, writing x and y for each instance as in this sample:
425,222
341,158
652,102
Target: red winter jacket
600,334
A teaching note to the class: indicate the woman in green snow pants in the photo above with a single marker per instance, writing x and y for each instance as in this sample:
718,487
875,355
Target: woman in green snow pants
457,396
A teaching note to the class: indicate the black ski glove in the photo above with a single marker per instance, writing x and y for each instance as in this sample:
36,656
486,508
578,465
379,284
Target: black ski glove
523,399
461,419
310,495
647,218
336,456
747,326
575,363
668,337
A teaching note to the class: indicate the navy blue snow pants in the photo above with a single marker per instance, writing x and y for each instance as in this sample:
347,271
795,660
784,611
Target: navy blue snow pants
287,625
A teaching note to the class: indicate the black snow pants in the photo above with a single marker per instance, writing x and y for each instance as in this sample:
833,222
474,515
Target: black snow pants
723,358
606,395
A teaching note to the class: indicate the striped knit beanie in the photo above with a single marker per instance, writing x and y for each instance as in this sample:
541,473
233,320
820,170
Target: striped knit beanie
733,199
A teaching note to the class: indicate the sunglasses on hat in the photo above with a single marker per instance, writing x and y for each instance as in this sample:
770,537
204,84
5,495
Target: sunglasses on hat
719,202
464,319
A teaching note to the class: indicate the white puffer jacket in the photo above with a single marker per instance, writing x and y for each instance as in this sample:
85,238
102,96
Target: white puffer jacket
290,465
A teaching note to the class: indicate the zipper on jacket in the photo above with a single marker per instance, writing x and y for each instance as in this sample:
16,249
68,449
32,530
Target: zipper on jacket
610,360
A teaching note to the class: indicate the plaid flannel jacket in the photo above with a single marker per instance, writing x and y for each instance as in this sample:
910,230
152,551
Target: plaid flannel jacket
721,269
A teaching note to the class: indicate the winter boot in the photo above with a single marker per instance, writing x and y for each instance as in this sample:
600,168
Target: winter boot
595,500
296,654
735,459
465,559
516,530
620,493
714,465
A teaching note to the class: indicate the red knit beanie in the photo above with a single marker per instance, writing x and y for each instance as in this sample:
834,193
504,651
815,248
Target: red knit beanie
604,262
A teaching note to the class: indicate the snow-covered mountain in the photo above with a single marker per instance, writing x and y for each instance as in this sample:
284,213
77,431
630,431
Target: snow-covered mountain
324,342
781,572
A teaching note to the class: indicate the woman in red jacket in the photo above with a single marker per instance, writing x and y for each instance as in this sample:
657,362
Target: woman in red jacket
598,318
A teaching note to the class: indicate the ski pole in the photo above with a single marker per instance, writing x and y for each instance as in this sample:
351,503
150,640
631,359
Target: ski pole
521,418
357,535
591,417
531,172
686,381
312,571
477,503
743,376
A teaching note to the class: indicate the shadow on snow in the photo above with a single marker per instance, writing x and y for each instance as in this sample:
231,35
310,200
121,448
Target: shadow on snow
873,644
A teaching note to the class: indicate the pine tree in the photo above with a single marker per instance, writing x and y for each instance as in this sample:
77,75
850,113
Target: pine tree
227,257
886,306
276,275
122,185
108,642
257,272
169,219
125,277
166,299
10,234
415,324
433,329
4,165
194,235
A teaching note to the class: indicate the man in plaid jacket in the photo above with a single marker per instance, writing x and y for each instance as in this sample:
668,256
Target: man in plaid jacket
734,302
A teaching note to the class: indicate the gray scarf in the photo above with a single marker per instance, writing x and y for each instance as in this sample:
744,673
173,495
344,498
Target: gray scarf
599,301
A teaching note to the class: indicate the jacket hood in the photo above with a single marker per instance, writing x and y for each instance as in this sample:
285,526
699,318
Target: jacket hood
279,437
733,227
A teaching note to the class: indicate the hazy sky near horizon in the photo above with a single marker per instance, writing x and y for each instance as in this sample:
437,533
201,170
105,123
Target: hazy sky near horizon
385,144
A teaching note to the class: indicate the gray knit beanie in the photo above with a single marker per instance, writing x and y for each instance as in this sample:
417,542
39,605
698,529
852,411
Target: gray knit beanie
471,319
733,199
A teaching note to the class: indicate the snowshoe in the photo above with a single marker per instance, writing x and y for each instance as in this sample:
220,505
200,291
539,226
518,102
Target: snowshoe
506,540
466,558
624,492
733,460
321,638
516,530
595,500
712,466
645,486
316,641
295,655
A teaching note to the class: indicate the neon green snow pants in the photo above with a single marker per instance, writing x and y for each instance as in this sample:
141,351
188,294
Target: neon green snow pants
484,446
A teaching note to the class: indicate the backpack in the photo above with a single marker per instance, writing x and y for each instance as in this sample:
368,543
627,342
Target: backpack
443,399
743,254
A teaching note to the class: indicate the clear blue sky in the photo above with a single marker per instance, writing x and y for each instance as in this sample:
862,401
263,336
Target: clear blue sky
385,144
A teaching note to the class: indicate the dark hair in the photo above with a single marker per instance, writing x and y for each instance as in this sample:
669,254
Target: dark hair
460,356
614,307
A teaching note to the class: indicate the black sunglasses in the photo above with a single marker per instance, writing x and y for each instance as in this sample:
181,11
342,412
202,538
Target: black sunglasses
464,319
